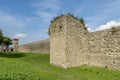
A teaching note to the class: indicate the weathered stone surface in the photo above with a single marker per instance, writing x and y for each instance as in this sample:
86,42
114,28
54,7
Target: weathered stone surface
36,47
15,42
72,45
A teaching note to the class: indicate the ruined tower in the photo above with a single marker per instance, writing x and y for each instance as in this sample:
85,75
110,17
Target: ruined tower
68,40
72,45
15,43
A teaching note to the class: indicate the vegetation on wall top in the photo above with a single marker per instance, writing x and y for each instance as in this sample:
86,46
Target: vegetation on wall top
49,31
57,17
113,30
79,19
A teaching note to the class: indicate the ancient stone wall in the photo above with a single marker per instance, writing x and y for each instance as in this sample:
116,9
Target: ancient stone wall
15,43
36,47
72,45
76,42
104,48
58,42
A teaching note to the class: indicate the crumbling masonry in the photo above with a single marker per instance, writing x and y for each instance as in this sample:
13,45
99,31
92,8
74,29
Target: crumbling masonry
72,45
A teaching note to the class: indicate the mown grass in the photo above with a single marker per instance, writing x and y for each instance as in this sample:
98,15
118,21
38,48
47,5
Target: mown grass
19,66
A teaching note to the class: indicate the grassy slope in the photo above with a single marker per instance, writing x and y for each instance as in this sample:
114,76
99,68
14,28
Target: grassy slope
37,67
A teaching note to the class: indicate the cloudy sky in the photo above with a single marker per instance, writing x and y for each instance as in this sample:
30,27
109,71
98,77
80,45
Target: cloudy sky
29,20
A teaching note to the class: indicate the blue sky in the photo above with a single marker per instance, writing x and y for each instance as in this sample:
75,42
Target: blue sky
29,20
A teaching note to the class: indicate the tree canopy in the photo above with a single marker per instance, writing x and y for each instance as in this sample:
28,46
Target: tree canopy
1,35
5,41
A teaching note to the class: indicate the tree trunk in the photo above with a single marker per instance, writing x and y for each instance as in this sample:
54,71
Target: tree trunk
3,47
7,48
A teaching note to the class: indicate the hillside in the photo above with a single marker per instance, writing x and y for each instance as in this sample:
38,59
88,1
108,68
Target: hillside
36,67
42,46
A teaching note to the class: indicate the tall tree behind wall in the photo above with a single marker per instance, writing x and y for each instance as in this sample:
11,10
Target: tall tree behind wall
4,41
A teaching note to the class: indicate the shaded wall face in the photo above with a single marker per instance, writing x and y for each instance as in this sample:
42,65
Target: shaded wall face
43,47
24,49
57,50
36,47
58,43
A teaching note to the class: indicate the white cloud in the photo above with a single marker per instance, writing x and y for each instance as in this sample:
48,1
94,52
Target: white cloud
103,13
10,20
21,35
108,25
89,29
14,24
47,9
45,15
78,11
51,4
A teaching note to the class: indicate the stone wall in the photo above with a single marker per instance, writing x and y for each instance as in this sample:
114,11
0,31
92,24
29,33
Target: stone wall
72,45
76,42
36,47
58,43
104,48
15,44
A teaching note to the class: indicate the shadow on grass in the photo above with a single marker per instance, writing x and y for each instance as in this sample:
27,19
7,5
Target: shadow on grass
12,55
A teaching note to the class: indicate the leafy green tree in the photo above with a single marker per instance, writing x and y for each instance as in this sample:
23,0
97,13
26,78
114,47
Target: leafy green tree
1,33
6,41
1,36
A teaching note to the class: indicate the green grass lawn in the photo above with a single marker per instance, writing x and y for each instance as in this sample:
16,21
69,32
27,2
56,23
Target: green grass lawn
19,66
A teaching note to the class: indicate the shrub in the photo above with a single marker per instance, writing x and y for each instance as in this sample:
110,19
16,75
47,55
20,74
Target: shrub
113,30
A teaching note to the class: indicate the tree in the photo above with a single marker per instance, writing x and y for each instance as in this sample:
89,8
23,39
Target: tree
1,36
6,41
